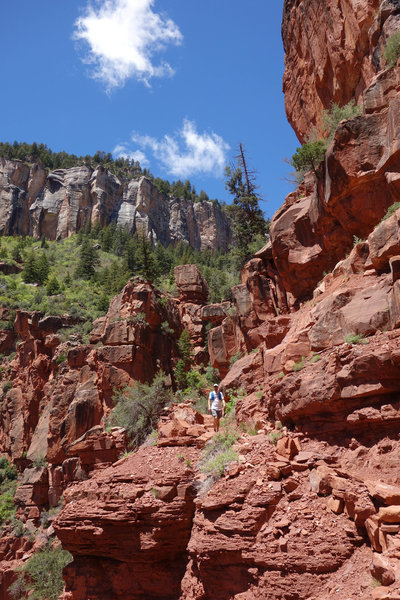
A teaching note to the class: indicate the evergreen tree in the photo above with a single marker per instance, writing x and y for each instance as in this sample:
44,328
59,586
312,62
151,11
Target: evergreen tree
88,260
163,259
130,253
247,216
52,286
185,347
30,268
36,268
42,268
180,374
146,265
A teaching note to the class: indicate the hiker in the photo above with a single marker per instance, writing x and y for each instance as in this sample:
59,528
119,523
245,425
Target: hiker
216,404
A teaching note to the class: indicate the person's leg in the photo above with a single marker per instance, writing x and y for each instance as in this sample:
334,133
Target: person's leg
217,424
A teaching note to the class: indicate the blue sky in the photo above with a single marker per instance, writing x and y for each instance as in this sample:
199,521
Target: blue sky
176,83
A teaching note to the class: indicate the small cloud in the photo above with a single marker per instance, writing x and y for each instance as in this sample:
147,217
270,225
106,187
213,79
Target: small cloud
188,152
123,36
121,151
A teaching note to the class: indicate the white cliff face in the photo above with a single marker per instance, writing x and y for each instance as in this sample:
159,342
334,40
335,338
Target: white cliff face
19,186
62,202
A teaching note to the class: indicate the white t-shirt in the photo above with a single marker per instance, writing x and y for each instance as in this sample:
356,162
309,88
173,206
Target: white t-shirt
216,400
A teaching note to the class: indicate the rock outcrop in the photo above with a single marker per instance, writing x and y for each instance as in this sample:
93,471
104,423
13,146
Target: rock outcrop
331,55
60,203
338,59
308,508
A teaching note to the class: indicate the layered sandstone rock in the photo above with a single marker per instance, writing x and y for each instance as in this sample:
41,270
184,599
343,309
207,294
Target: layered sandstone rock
328,56
132,541
338,59
64,201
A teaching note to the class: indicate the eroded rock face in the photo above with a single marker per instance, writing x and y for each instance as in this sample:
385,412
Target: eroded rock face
139,524
64,201
328,56
360,177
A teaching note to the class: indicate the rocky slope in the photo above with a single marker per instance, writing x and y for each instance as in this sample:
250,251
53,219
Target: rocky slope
310,507
60,203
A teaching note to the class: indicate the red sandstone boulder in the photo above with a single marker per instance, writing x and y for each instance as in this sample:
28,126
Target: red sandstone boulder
137,515
191,285
96,448
224,342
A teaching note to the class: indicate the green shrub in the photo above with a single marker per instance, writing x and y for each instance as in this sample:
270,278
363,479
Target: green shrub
41,576
7,385
137,409
357,240
218,453
315,358
202,405
299,365
39,462
18,588
180,374
392,50
274,436
355,338
215,465
248,428
331,118
309,157
60,359
235,358
138,318
166,329
391,210
7,507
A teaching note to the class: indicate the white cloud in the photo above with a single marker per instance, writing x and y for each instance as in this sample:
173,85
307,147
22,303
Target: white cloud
123,36
188,152
121,151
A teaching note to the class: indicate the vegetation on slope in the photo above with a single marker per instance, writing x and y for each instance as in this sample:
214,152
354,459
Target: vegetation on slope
309,156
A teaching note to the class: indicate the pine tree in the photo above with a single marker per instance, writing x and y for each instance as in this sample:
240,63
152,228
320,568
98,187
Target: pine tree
88,260
185,347
247,216
53,286
42,269
30,269
130,253
146,265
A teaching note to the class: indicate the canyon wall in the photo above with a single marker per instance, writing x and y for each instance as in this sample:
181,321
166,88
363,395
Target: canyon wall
60,203
309,509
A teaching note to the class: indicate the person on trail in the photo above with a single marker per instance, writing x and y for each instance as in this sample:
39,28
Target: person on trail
216,404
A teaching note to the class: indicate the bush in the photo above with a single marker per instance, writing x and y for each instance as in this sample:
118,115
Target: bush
331,118
7,385
274,436
41,576
309,157
202,405
392,50
60,359
299,365
137,409
219,453
235,358
7,507
139,317
166,329
355,338
391,210
180,374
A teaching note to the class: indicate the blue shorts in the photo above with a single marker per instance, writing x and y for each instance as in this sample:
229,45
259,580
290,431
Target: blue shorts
216,413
